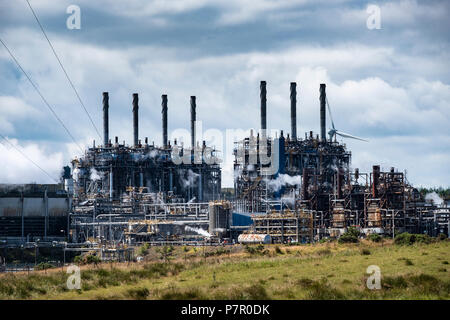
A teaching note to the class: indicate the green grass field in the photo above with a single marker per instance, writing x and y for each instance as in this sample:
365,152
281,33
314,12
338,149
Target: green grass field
320,271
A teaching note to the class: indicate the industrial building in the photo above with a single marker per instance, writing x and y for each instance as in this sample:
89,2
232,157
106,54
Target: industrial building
33,213
318,195
287,188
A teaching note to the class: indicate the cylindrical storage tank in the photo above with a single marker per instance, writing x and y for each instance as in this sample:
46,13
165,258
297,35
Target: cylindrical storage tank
219,217
68,185
254,238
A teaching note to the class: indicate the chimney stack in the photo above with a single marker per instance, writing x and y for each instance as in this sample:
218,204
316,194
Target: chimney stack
294,111
193,119
323,97
105,119
164,119
263,93
135,118
375,181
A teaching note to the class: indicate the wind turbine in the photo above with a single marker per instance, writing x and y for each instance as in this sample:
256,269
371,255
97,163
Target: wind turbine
333,132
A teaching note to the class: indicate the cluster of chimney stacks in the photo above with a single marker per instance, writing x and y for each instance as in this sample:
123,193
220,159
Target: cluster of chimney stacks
293,97
135,104
263,97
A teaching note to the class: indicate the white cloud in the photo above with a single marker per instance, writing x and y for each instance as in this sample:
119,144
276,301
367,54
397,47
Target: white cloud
399,100
18,169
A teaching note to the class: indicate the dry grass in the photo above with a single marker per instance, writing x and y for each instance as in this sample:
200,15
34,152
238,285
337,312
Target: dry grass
321,271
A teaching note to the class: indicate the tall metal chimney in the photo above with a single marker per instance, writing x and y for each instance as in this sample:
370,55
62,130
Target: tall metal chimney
294,111
263,94
105,119
193,119
135,118
375,180
323,97
164,119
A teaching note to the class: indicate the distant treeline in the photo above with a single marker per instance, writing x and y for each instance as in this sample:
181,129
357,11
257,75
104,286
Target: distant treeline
443,193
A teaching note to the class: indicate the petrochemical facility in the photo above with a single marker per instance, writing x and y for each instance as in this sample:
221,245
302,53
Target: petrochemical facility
287,189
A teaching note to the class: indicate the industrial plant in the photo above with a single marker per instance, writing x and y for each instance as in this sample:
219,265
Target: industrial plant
287,189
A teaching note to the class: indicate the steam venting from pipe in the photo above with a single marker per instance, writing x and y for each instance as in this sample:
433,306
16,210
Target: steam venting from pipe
193,119
164,119
135,118
323,97
294,110
263,96
105,119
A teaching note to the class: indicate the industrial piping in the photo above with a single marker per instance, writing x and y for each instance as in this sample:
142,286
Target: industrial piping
135,118
164,119
323,97
193,119
105,119
294,110
263,94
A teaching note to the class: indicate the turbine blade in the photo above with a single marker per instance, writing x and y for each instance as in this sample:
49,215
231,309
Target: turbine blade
329,111
346,135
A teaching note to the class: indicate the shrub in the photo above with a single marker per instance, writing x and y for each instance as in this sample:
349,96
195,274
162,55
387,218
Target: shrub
44,266
442,237
143,250
351,236
375,237
365,251
138,293
278,250
176,294
394,282
320,290
406,238
165,252
259,249
408,262
87,259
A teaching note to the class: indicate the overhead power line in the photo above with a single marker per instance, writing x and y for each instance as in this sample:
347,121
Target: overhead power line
29,159
63,69
40,94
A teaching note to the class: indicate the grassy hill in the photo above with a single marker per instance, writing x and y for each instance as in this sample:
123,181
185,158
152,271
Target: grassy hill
320,271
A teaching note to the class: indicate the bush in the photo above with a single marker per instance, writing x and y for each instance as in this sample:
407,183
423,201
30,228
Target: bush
44,266
375,237
351,236
87,259
406,238
365,252
259,249
278,250
143,250
442,237
138,293
320,290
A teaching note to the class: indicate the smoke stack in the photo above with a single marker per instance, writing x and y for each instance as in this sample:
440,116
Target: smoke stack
376,180
135,118
340,177
193,119
164,119
105,119
305,184
294,111
263,94
323,97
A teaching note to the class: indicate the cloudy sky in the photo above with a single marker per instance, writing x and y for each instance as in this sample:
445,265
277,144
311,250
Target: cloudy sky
389,85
